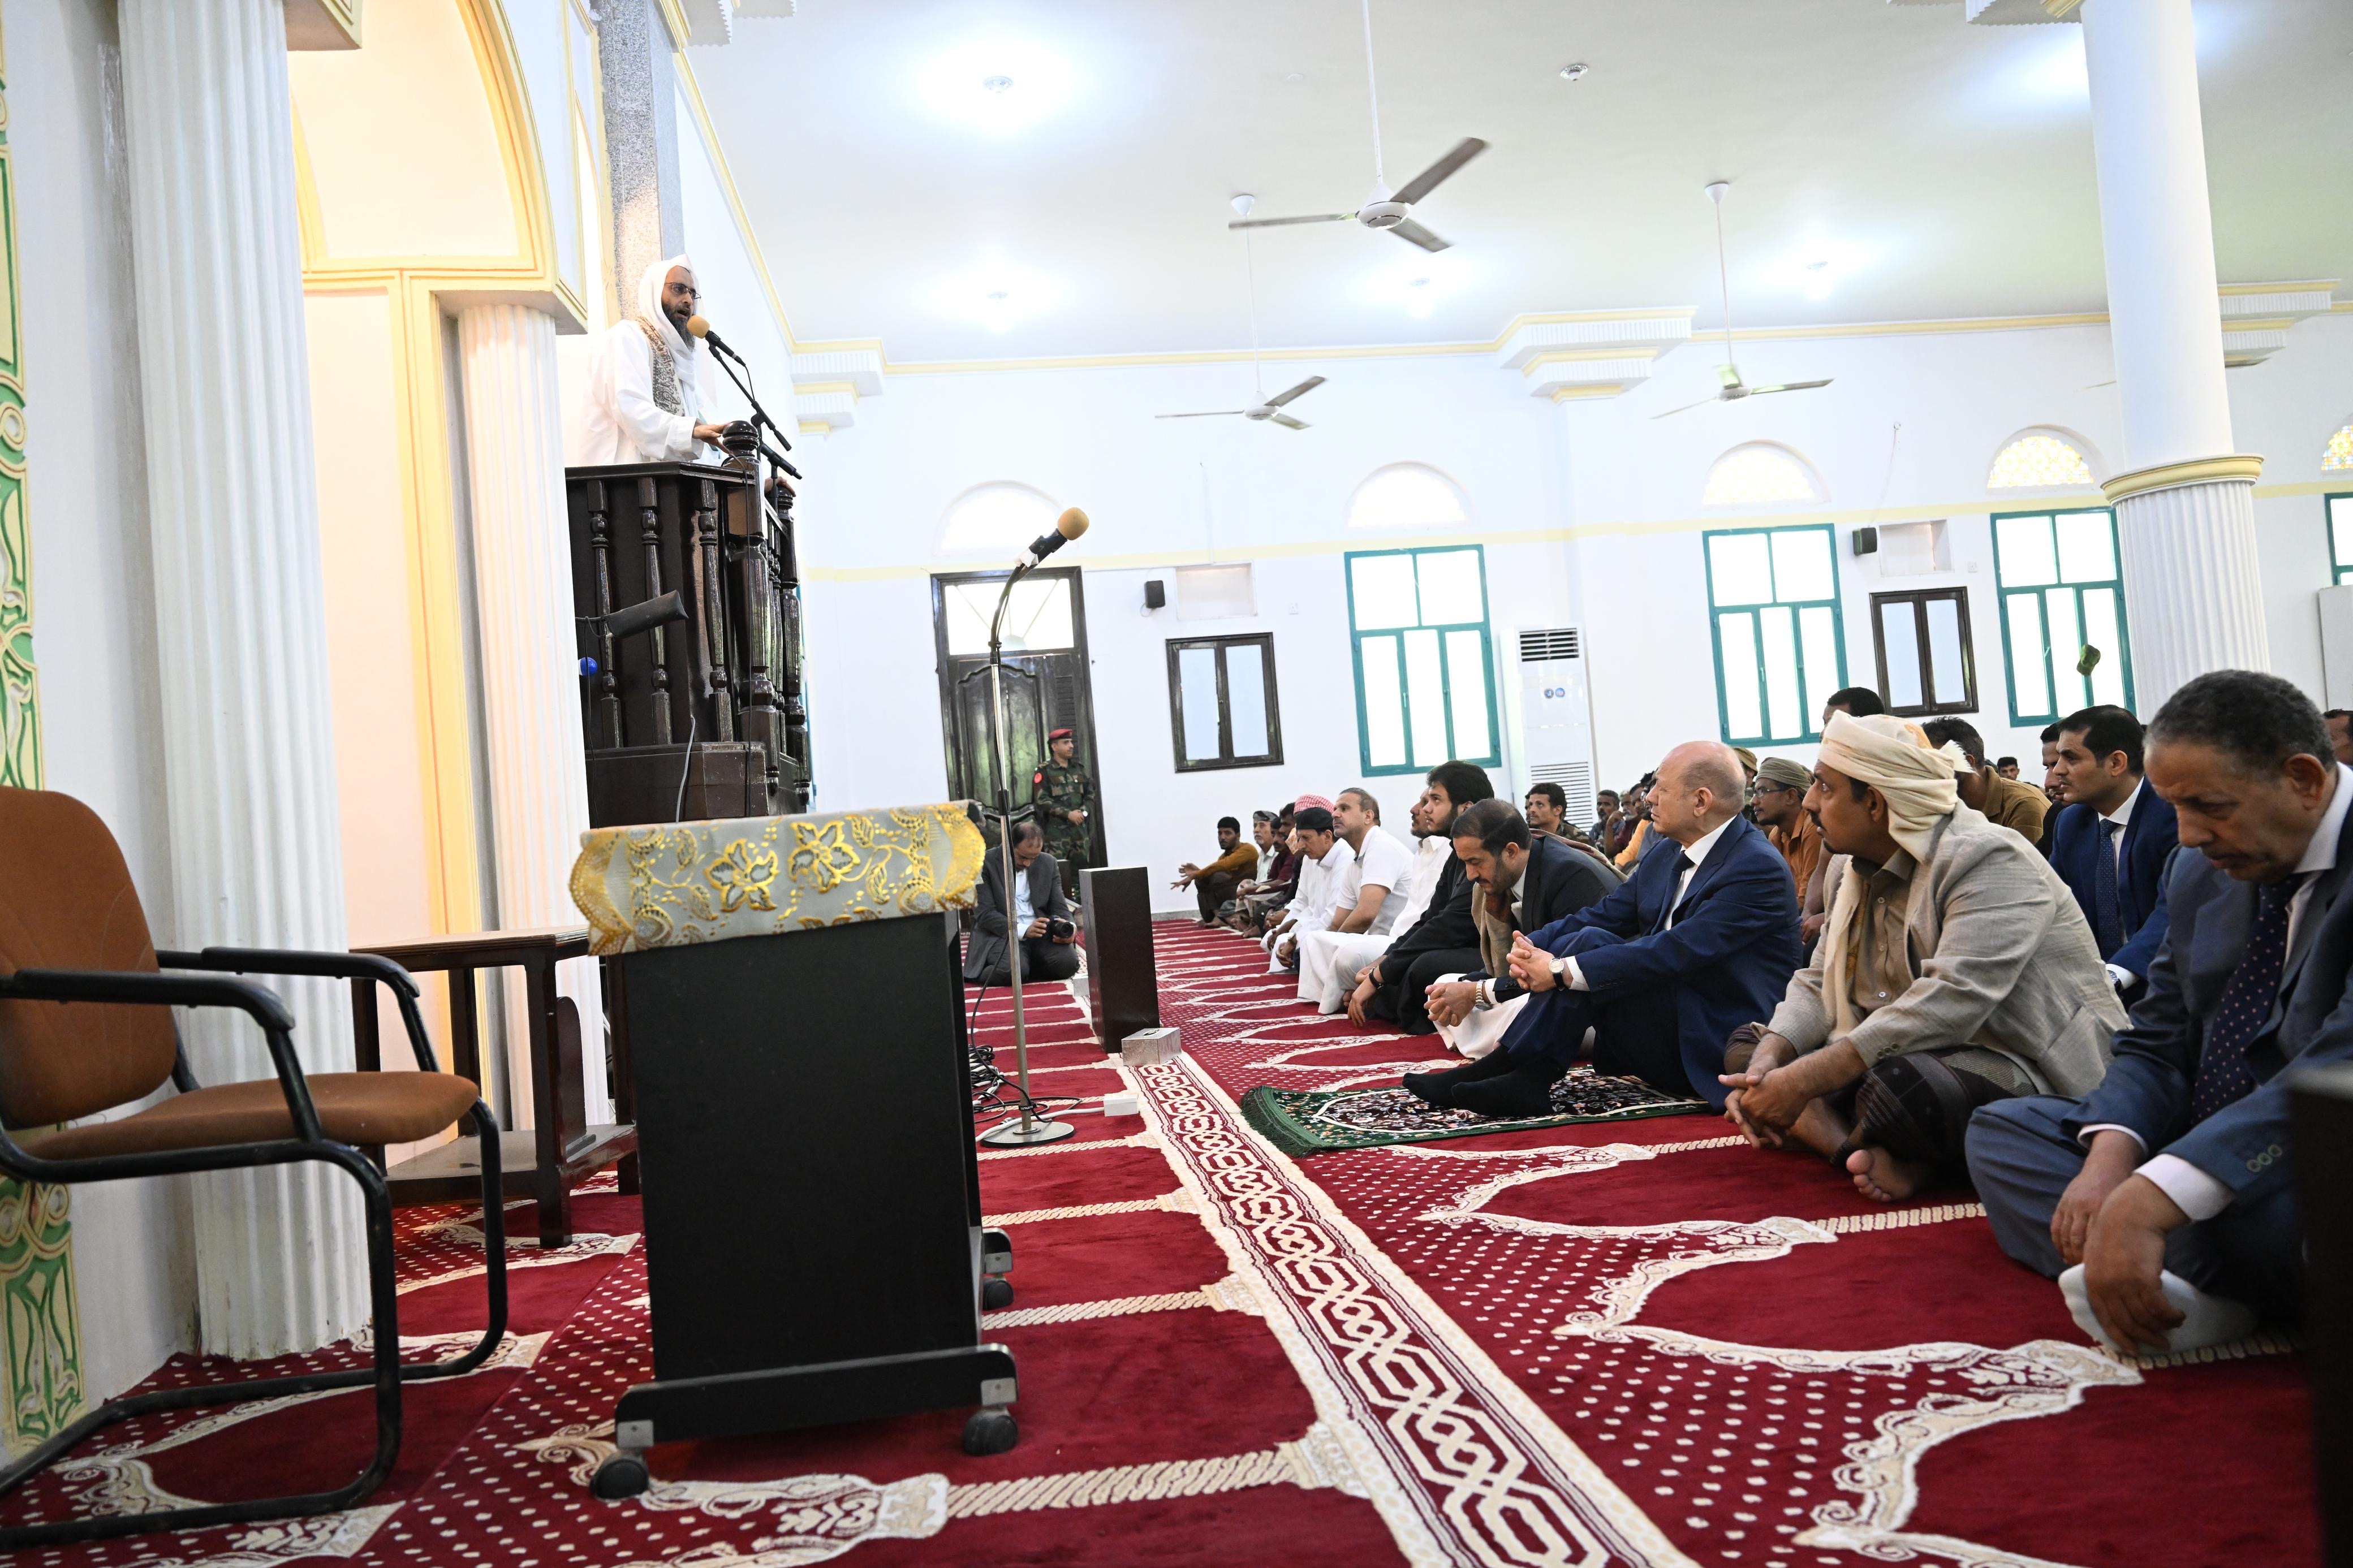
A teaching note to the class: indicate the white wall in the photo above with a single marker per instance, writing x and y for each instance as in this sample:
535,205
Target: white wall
1590,514
93,590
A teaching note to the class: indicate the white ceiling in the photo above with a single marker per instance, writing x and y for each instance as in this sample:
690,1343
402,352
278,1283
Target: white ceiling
1945,168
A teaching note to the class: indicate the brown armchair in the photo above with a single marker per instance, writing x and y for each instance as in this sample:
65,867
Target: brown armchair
86,1025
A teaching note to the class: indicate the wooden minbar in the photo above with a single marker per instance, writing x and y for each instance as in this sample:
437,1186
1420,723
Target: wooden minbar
686,592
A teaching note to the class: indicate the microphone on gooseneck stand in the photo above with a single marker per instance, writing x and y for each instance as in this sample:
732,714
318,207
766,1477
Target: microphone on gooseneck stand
702,329
1067,527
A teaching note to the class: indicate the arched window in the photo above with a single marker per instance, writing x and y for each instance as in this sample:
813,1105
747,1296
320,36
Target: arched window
2040,459
996,517
2338,457
1763,473
1406,495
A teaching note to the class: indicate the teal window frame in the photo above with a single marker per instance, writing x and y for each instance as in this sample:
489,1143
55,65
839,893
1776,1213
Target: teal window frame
1808,717
2004,592
2339,520
1493,756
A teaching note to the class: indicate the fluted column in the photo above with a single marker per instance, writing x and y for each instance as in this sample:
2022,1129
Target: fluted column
240,630
2185,503
530,688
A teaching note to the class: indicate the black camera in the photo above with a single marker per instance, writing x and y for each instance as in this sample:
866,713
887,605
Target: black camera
1062,930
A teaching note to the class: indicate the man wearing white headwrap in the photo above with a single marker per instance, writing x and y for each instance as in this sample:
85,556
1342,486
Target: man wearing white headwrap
646,385
1955,969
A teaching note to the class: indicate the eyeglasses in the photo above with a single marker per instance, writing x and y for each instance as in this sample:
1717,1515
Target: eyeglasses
694,294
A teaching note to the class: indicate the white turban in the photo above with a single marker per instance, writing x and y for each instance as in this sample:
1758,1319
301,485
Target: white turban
1919,783
650,306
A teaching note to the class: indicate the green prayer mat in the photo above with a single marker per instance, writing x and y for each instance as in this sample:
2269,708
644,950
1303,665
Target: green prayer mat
1301,1122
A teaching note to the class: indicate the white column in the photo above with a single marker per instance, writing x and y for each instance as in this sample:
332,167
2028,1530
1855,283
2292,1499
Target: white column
240,630
530,685
2185,501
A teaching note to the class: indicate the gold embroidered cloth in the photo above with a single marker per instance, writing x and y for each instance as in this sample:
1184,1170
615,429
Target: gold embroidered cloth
674,883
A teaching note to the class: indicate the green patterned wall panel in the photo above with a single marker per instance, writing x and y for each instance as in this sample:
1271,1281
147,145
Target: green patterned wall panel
40,1320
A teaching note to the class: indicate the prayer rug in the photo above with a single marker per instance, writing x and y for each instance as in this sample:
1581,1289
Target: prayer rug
1315,1122
1648,1344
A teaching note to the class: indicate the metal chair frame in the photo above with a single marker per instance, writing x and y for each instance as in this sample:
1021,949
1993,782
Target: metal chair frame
388,1373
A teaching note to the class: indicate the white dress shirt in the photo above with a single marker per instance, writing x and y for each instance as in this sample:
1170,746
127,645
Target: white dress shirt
1697,853
1429,862
2195,1193
2122,818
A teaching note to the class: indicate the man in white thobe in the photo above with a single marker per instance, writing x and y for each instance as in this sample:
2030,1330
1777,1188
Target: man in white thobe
646,385
1330,961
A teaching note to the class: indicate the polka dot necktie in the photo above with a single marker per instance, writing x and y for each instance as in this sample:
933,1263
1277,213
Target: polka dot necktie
2108,917
2224,1074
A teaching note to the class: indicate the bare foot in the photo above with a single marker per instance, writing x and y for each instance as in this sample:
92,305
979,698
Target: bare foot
1883,1178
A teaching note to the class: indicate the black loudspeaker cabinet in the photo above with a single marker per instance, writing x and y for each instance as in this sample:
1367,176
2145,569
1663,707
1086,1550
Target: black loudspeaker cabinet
812,1198
1123,976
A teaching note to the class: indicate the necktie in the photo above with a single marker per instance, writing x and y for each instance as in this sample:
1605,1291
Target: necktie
2223,1073
1674,891
2108,918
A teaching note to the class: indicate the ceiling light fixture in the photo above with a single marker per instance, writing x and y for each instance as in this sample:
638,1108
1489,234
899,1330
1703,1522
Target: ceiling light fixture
1421,283
1574,71
996,296
997,85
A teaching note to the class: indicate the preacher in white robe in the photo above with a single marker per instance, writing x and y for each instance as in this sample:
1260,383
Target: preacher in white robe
647,385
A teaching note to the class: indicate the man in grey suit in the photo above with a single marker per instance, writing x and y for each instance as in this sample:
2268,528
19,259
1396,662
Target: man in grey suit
1040,912
1956,970
2164,1201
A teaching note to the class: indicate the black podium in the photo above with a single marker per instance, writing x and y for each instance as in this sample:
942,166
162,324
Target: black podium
814,1251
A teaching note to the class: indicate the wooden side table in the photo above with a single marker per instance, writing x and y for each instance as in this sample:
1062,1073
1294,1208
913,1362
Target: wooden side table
561,1147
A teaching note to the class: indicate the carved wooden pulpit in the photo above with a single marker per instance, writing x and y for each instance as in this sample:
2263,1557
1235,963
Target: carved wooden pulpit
687,597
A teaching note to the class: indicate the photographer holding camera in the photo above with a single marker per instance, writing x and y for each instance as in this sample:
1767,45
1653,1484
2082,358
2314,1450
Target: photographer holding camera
1048,933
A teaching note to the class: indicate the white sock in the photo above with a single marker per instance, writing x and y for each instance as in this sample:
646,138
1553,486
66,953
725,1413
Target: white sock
2205,1320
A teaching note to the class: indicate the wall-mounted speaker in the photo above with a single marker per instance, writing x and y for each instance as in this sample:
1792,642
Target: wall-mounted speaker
1866,542
1156,593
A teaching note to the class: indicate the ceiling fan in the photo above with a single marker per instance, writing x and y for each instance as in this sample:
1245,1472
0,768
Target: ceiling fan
1386,209
1266,407
1734,388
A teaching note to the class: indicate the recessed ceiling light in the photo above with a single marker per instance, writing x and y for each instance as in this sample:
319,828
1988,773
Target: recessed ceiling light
1296,75
998,84
1574,70
996,296
1817,265
1418,285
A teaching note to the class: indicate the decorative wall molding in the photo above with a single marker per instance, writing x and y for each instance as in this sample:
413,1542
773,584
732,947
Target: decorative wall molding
2257,317
827,385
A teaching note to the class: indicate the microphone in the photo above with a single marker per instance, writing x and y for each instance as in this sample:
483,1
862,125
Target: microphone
1067,527
702,329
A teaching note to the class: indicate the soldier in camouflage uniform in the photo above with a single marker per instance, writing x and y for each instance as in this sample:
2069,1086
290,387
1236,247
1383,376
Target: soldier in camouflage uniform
1065,797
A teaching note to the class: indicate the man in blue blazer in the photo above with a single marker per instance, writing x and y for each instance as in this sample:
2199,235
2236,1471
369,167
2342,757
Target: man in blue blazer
1701,938
2164,1201
2114,840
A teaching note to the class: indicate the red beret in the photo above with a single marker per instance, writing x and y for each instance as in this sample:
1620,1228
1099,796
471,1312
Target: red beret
1058,735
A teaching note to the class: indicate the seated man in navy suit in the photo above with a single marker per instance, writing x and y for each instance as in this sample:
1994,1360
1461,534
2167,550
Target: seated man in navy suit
2164,1201
1700,940
2112,840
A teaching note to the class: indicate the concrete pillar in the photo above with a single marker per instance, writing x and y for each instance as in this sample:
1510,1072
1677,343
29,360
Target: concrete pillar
240,630
530,688
2185,501
640,142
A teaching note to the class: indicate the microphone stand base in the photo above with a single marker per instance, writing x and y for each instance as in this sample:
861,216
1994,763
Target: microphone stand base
1038,1131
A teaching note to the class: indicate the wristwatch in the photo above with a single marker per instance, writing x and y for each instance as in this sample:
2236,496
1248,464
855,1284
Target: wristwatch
1560,970
1481,997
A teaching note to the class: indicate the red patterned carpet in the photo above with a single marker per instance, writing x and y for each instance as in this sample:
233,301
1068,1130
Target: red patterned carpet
1635,1343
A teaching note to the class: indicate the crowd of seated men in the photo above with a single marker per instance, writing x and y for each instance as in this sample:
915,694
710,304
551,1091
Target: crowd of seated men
1902,960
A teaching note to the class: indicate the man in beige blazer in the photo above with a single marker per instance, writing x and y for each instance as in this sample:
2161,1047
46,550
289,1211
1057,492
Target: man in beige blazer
1955,969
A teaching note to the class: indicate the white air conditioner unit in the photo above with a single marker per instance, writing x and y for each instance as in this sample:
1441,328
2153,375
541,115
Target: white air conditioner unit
1556,717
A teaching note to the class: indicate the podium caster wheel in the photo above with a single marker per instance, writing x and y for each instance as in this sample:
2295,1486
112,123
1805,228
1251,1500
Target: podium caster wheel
625,1476
989,1432
995,1294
